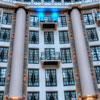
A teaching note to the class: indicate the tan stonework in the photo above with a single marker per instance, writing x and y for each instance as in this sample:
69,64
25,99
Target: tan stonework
14,98
89,97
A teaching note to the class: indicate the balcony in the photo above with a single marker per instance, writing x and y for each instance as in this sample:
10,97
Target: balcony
51,60
49,23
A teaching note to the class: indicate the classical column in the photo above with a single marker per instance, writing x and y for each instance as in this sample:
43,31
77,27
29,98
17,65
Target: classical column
16,78
88,92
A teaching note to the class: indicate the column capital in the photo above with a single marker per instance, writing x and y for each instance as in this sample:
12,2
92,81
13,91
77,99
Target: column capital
21,6
71,7
74,6
89,97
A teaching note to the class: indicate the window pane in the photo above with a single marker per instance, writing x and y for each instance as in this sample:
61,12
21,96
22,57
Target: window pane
2,76
49,54
3,54
51,77
34,37
70,95
97,72
51,96
66,56
27,0
48,37
5,35
47,1
1,95
92,35
57,2
62,21
67,1
33,77
7,18
33,56
88,19
34,21
63,37
78,0
37,2
95,51
68,77
33,96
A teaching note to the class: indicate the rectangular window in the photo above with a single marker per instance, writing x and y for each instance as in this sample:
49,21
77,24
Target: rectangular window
7,18
62,21
3,54
51,96
99,91
33,96
67,1
92,35
16,0
63,37
49,54
97,72
34,21
48,19
1,95
33,56
5,35
70,95
57,2
34,37
95,51
66,55
88,19
78,0
27,0
37,2
68,77
98,15
47,1
48,37
33,77
50,75
2,76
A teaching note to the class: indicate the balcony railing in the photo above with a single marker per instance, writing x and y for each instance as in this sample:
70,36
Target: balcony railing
34,2
52,59
55,56
49,23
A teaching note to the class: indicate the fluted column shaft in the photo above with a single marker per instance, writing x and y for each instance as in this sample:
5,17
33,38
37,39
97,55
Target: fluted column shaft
16,79
82,55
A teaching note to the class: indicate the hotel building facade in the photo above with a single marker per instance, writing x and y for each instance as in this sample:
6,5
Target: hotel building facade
49,49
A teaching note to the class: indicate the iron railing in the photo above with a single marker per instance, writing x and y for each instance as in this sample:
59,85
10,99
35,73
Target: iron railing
32,2
51,56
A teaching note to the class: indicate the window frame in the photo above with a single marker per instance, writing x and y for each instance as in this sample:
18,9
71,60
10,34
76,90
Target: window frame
31,33
32,95
65,79
36,79
62,36
53,92
2,80
4,54
4,19
31,61
48,83
66,58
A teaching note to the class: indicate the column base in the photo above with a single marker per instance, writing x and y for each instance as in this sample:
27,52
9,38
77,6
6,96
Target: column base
14,98
89,97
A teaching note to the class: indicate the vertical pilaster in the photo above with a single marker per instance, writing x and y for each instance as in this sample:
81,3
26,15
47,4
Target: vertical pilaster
86,80
16,79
